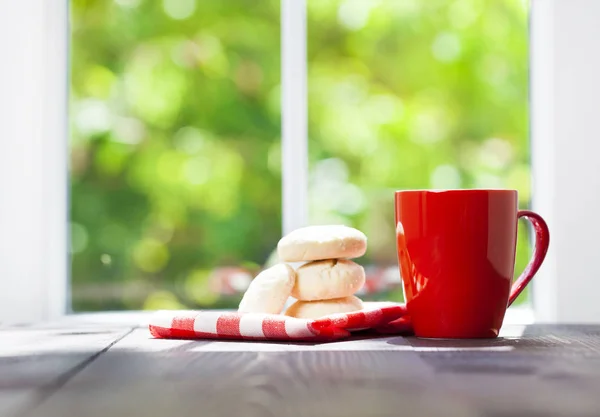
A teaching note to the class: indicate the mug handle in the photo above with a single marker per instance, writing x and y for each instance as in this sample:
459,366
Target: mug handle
542,241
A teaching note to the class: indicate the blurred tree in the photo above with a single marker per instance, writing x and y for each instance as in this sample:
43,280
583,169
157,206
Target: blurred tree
175,129
175,134
412,94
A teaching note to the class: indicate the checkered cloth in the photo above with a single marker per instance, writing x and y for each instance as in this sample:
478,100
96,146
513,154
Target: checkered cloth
387,318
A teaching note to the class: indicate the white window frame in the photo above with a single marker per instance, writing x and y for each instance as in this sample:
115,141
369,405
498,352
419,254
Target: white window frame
565,144
34,267
33,160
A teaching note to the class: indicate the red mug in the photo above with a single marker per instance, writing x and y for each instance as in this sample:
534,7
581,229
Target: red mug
456,253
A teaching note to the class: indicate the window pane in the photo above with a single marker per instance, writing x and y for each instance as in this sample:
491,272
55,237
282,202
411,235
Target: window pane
413,94
175,151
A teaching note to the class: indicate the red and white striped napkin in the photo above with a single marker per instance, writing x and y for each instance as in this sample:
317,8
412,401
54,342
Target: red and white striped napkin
388,318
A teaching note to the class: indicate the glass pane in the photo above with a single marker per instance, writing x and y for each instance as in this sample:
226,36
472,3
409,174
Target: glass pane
175,151
413,94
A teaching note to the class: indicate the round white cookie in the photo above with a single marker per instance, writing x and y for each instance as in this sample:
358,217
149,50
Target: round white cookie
313,243
268,292
331,278
321,308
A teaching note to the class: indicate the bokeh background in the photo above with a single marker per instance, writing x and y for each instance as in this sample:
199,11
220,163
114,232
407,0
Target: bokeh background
176,134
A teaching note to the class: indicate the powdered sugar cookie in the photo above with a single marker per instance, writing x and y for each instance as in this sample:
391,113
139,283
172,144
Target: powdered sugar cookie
332,278
322,242
320,308
268,292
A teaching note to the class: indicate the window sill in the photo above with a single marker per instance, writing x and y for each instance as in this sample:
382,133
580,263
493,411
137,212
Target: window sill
514,316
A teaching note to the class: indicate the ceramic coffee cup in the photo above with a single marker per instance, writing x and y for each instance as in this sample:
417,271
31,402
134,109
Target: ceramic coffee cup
456,253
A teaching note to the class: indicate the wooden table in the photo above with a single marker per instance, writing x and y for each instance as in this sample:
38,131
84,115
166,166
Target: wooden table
109,366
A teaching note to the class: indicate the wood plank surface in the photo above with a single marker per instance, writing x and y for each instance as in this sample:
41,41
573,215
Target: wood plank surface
35,361
530,371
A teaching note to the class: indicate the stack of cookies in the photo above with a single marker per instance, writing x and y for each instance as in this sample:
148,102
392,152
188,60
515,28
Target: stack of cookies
325,283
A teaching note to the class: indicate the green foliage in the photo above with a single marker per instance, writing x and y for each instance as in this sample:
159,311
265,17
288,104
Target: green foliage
175,143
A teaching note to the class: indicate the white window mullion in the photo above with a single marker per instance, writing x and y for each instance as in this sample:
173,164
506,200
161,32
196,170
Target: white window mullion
294,147
55,157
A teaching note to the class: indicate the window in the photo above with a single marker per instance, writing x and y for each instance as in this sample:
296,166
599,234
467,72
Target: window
414,94
362,36
175,151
